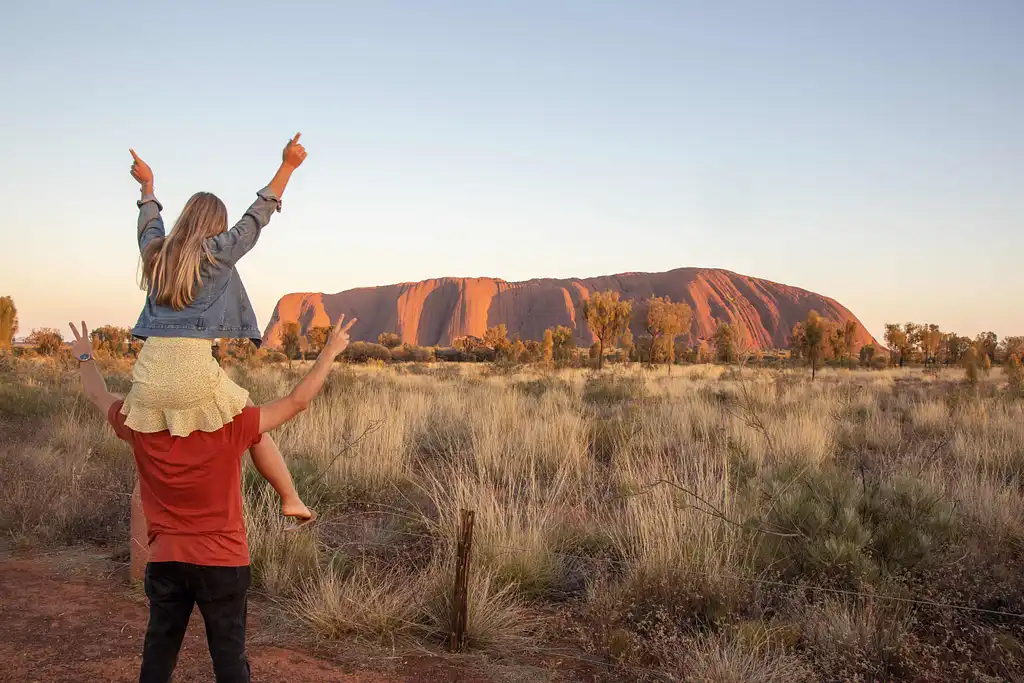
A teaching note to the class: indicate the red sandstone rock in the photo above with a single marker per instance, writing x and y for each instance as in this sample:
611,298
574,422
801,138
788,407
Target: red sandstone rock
434,312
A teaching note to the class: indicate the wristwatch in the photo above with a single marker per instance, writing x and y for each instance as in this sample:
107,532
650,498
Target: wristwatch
83,357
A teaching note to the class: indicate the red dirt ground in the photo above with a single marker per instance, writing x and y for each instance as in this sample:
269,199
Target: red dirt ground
70,617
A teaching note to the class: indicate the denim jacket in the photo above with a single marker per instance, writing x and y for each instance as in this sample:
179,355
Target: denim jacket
221,307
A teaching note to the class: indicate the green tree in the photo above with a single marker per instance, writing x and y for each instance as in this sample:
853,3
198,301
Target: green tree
815,331
497,338
1015,375
563,344
684,353
896,340
517,351
627,344
913,331
291,340
975,363
664,351
867,354
532,352
850,329
46,340
8,322
241,350
988,344
388,340
953,348
664,321
930,339
111,341
705,352
1010,347
726,342
608,318
811,338
547,346
835,340
797,342
317,338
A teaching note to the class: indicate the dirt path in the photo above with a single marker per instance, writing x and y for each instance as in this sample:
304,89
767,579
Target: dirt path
67,617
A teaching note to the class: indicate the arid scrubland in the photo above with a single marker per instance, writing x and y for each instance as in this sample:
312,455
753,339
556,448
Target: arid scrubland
709,523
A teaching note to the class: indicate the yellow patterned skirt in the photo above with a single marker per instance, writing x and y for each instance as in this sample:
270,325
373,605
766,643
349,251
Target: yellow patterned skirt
177,385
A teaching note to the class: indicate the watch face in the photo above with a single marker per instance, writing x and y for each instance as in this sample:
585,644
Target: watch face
84,357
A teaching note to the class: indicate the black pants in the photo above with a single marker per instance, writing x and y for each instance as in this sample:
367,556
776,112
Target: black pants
173,588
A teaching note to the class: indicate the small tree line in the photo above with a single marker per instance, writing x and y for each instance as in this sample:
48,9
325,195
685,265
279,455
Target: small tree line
817,339
664,337
927,344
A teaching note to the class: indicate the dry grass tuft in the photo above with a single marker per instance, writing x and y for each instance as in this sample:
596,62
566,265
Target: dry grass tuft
729,659
382,605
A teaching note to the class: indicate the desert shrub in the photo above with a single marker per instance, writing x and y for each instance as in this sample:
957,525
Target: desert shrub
502,368
420,369
47,341
1015,375
446,373
858,639
977,364
270,356
389,340
731,658
542,385
645,620
364,352
444,436
482,354
930,418
19,401
911,523
607,435
66,498
612,389
847,533
497,619
450,355
733,373
379,605
408,353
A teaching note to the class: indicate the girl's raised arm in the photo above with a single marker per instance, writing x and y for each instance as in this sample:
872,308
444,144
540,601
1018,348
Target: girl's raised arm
233,244
151,225
291,158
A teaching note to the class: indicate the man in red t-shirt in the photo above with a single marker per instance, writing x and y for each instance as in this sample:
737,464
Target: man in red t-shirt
191,488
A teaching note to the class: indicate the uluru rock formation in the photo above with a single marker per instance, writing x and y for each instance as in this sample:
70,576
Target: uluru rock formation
435,312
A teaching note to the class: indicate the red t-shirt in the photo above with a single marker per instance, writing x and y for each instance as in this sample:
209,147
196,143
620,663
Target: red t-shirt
191,489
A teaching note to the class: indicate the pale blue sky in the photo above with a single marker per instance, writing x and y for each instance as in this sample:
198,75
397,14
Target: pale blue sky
870,151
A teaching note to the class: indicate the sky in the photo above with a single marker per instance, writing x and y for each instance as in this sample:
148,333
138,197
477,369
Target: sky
869,151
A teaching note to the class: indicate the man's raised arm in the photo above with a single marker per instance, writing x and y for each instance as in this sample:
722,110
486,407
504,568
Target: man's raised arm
276,413
92,380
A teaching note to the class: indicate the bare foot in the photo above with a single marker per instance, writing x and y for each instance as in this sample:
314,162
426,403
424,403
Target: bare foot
297,509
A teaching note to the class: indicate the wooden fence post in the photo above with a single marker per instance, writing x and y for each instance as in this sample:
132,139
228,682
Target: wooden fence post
460,602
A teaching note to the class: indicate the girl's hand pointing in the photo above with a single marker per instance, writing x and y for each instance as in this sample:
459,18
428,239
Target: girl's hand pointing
294,153
140,170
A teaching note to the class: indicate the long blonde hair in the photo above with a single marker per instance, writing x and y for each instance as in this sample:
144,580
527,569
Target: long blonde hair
171,266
